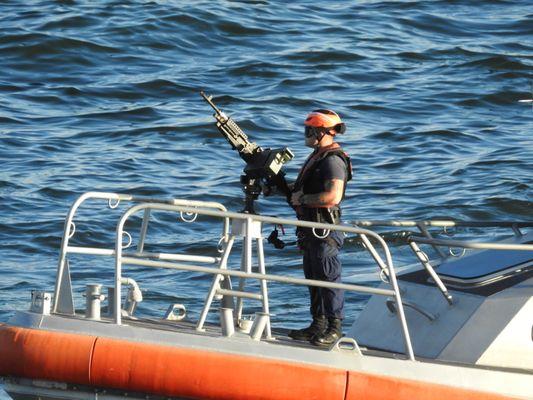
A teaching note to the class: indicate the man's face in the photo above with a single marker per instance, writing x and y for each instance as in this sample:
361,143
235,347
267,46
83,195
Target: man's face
311,137
311,141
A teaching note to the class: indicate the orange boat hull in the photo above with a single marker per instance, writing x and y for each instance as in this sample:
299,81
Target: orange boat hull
183,372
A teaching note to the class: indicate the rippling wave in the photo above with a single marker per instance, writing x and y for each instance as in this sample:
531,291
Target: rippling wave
105,96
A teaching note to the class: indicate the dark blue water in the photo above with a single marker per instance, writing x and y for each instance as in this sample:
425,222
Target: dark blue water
105,96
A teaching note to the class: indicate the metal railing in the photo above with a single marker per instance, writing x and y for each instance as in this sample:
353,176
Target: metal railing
189,210
437,243
63,299
423,227
248,220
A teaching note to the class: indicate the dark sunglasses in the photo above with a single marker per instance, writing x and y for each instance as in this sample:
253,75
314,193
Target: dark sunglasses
313,131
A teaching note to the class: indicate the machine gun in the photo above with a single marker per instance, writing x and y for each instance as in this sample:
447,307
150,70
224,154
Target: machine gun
262,165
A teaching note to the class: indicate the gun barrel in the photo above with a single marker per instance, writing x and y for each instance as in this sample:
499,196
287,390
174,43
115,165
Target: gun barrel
210,102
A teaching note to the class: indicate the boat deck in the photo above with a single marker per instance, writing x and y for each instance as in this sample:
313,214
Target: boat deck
280,338
280,335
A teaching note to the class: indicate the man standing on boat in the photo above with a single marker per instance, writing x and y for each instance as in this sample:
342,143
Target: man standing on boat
317,194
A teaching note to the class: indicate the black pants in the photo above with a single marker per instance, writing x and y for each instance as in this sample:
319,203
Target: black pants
321,262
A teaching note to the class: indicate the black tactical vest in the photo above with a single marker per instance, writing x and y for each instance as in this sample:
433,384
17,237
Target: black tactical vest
309,180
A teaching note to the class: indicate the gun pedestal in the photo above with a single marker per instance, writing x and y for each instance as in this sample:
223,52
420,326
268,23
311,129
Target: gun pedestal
248,230
252,189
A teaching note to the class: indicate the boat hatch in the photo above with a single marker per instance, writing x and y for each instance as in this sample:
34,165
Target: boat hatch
484,263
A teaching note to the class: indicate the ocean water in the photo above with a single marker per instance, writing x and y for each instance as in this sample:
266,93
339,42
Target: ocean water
104,96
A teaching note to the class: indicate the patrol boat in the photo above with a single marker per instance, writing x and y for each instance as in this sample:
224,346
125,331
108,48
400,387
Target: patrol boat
455,327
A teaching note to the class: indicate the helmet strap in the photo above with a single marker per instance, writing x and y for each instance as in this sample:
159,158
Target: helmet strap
322,134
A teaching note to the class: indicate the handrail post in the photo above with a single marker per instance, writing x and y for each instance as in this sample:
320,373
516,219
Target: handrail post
66,233
63,252
58,295
246,263
397,295
393,281
425,232
144,229
118,273
215,284
372,250
423,258
264,289
248,243
401,314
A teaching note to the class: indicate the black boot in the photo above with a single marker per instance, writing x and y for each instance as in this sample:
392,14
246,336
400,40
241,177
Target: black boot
330,335
317,327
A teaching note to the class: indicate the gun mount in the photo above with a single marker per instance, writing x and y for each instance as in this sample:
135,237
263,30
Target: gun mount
262,165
